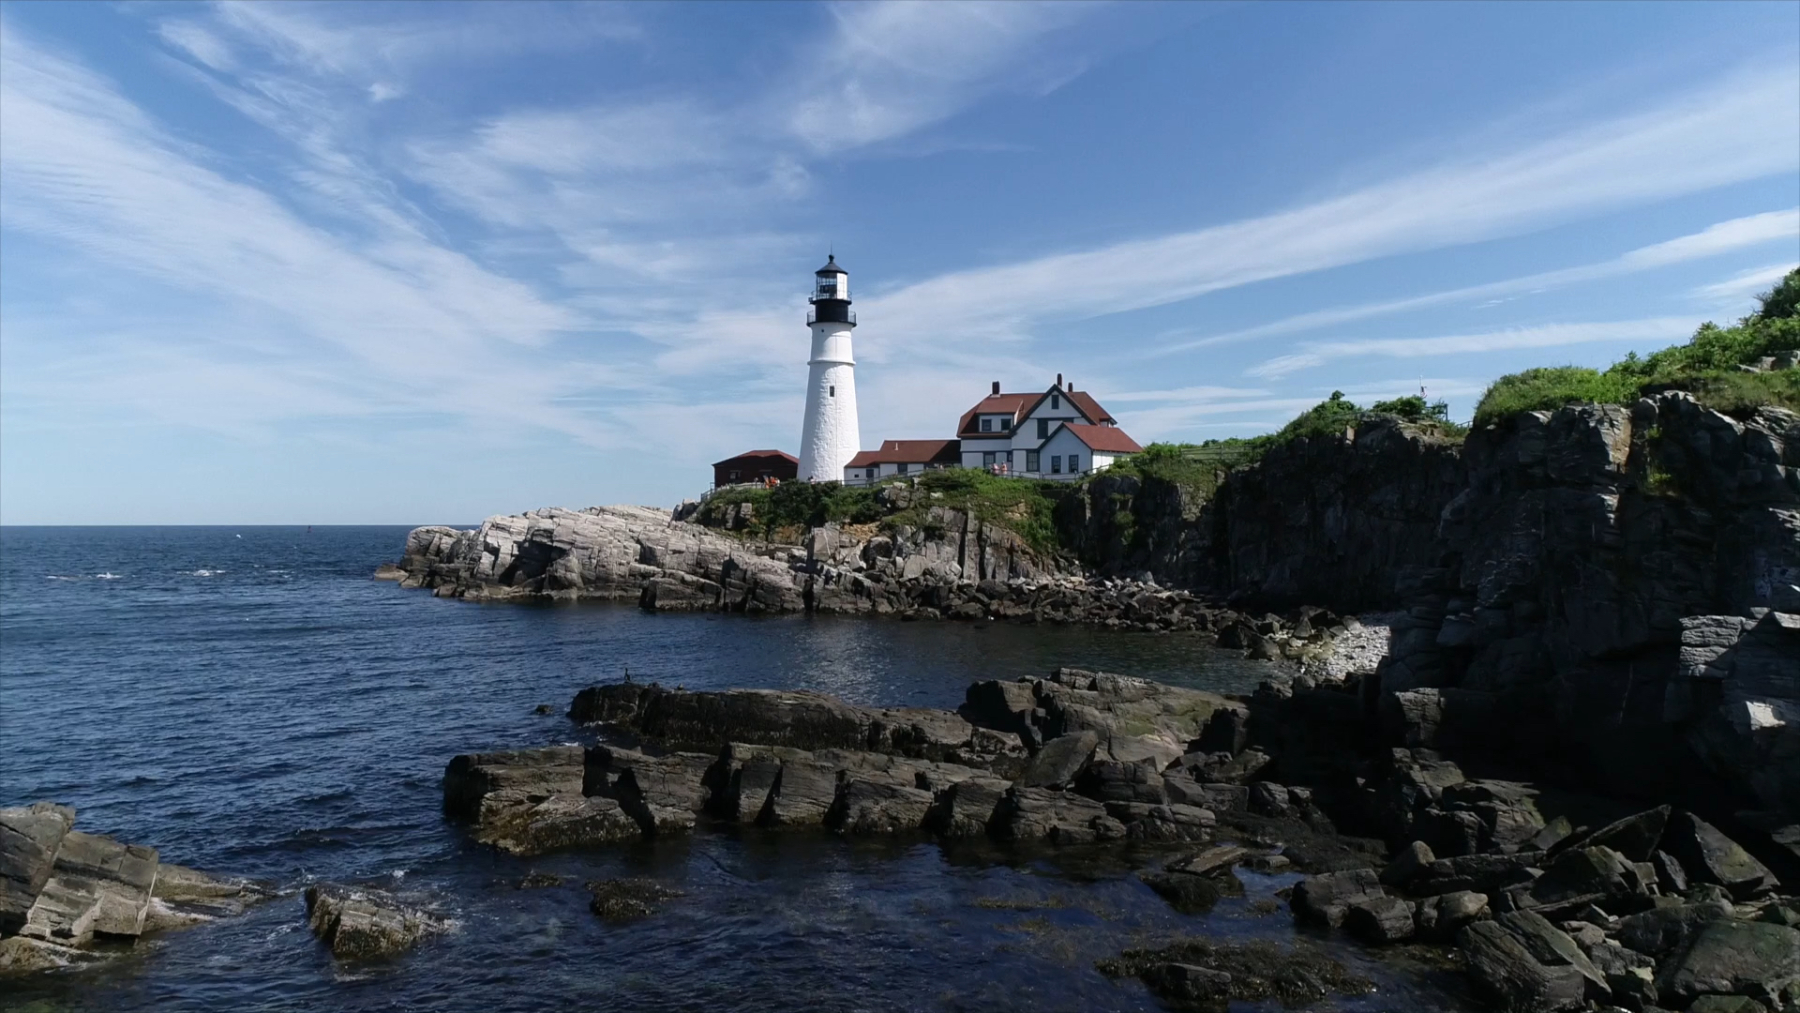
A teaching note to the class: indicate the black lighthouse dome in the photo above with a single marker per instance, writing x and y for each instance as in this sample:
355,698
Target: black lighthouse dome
831,295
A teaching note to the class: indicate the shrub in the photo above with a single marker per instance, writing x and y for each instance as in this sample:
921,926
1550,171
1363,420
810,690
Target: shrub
1546,389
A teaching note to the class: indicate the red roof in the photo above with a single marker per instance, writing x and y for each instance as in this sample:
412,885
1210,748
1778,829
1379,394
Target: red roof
760,453
1021,405
1106,439
909,452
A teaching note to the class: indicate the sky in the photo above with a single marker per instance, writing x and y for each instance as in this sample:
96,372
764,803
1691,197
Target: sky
420,263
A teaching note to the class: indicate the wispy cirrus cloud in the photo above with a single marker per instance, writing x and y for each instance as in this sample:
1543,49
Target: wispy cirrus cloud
1723,237
1653,329
1741,286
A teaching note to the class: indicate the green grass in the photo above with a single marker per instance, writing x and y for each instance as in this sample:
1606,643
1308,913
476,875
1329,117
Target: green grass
1707,365
1024,506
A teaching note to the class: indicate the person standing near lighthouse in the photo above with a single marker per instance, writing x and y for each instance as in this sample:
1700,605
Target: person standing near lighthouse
830,437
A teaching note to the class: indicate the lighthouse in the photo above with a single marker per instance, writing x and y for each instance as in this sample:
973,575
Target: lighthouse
830,438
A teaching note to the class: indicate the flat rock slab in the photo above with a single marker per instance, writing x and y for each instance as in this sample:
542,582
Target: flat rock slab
364,924
1756,959
29,839
97,886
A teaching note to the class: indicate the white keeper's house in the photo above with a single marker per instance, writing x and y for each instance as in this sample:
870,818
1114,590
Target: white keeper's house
1060,434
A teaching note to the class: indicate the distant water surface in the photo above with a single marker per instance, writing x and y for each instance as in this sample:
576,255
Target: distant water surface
250,702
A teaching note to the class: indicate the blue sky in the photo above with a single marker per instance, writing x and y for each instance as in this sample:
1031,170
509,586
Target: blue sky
413,263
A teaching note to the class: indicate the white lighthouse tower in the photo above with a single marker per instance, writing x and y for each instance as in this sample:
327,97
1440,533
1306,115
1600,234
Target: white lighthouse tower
830,438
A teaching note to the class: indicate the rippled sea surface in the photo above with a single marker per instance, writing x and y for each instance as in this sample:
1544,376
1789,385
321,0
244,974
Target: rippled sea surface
250,702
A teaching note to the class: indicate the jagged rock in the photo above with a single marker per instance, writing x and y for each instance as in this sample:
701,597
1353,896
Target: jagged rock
1440,918
1507,811
1407,863
1756,959
1662,931
1325,898
359,924
1489,874
1188,893
1134,719
661,793
1184,790
1379,920
1634,837
1524,964
1223,768
1119,781
1582,876
1162,823
1269,799
879,806
1188,983
1027,813
97,887
1209,862
29,837
1711,857
965,808
523,774
1060,760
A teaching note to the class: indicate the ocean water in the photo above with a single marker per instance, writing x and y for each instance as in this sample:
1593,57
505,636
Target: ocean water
250,702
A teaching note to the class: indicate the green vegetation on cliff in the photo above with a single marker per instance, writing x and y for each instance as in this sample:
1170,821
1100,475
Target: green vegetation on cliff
1707,366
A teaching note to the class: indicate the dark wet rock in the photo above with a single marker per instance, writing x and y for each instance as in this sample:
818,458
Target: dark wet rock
873,805
521,775
1407,864
1711,857
1269,799
1188,984
1293,976
1027,813
1326,897
1227,731
1489,874
628,900
537,881
544,710
708,721
1120,781
557,822
530,801
1224,768
964,809
1210,861
1634,837
1670,876
1596,875
1662,931
1554,832
661,793
1163,823
1727,1004
29,839
1439,919
1191,893
1522,963
1134,719
1184,790
1060,760
1379,920
183,897
1755,959
360,924
1507,811
1630,975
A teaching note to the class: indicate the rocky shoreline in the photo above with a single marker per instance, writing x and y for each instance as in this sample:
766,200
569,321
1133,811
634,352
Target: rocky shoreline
1544,906
69,898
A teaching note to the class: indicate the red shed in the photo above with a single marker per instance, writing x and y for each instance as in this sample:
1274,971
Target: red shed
755,466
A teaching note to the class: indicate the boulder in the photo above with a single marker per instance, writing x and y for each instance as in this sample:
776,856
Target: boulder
1026,813
1180,788
97,887
1755,959
1209,862
1634,837
521,826
1662,931
1597,875
1379,920
1524,964
360,924
965,808
1489,874
1441,918
875,805
1269,799
1326,898
29,837
1162,823
1711,857
627,900
1121,781
1061,759
1407,863
1188,893
1188,984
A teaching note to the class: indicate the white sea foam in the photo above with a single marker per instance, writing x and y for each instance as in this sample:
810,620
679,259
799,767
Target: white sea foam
58,576
110,576
207,573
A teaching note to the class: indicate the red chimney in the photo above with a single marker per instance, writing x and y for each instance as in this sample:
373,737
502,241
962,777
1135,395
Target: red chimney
996,388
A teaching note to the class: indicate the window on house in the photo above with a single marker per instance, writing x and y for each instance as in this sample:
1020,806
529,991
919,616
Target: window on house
1006,425
733,476
868,472
900,469
987,425
1074,464
1043,429
1055,464
987,459
1055,401
1031,461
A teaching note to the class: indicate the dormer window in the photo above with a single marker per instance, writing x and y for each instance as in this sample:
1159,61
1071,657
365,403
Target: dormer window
987,425
1006,425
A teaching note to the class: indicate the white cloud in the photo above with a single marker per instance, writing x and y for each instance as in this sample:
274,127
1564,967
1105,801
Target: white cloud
198,42
1740,288
1654,329
1723,237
